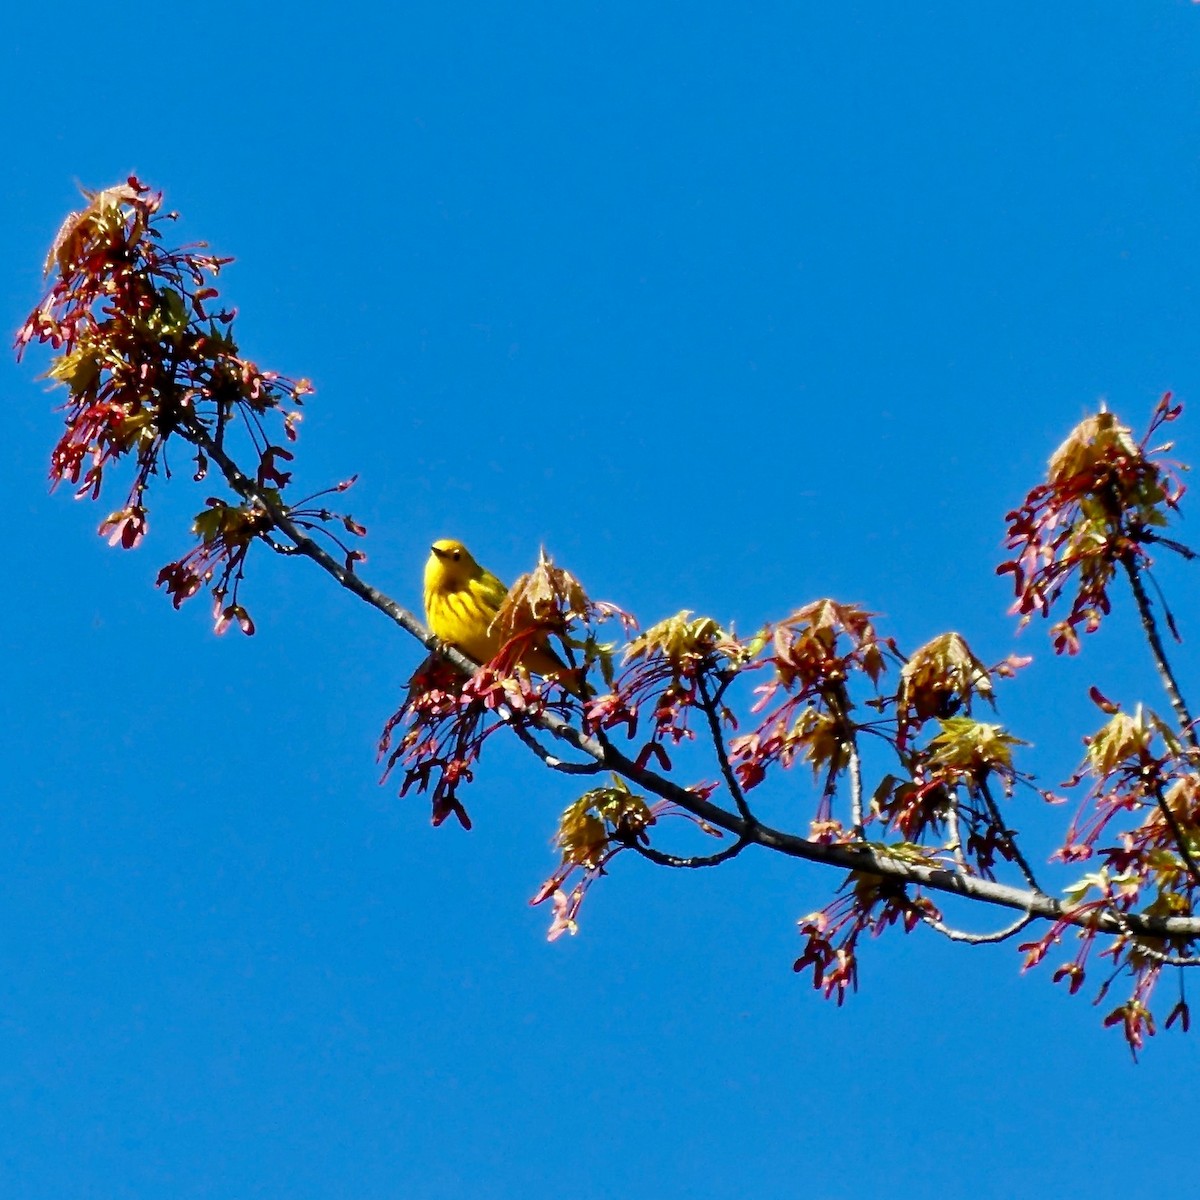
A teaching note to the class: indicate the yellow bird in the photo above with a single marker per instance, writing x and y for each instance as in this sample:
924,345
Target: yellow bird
461,602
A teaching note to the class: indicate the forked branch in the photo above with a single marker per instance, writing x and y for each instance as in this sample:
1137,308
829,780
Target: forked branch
861,858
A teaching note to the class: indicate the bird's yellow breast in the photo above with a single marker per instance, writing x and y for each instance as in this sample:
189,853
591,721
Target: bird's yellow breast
461,600
463,618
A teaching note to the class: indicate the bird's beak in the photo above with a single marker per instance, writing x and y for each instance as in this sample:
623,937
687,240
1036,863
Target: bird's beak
439,553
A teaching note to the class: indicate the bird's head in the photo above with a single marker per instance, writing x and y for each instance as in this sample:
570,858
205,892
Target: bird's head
450,565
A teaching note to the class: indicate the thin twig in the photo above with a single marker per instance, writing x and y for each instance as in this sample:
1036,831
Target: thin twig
1002,825
856,806
1168,615
1150,626
1167,960
520,728
198,434
850,741
1186,725
1135,945
956,843
695,861
977,939
725,678
718,737
1177,830
1187,552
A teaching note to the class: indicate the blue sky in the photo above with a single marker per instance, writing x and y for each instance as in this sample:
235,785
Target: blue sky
730,310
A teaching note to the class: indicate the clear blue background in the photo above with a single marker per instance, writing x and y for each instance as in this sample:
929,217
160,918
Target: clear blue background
731,309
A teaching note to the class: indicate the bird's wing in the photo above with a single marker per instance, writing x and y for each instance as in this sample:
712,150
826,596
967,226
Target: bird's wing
489,591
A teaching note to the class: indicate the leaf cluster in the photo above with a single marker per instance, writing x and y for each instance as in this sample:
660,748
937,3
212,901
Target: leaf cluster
148,358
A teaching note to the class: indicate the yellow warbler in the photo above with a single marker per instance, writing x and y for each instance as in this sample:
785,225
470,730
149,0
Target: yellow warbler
461,602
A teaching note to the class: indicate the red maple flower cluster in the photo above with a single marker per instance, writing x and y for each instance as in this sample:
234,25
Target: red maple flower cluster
1103,501
148,358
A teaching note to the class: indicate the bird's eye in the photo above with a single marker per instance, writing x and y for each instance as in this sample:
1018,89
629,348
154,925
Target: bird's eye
456,556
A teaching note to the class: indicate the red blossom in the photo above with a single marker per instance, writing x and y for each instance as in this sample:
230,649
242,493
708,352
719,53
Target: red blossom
147,359
1104,498
869,904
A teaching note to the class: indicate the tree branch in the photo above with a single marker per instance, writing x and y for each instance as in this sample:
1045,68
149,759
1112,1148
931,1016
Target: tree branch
1167,960
869,859
856,806
1002,825
978,939
519,727
850,858
1187,552
854,764
714,725
696,861
1150,626
952,828
245,487
1176,830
